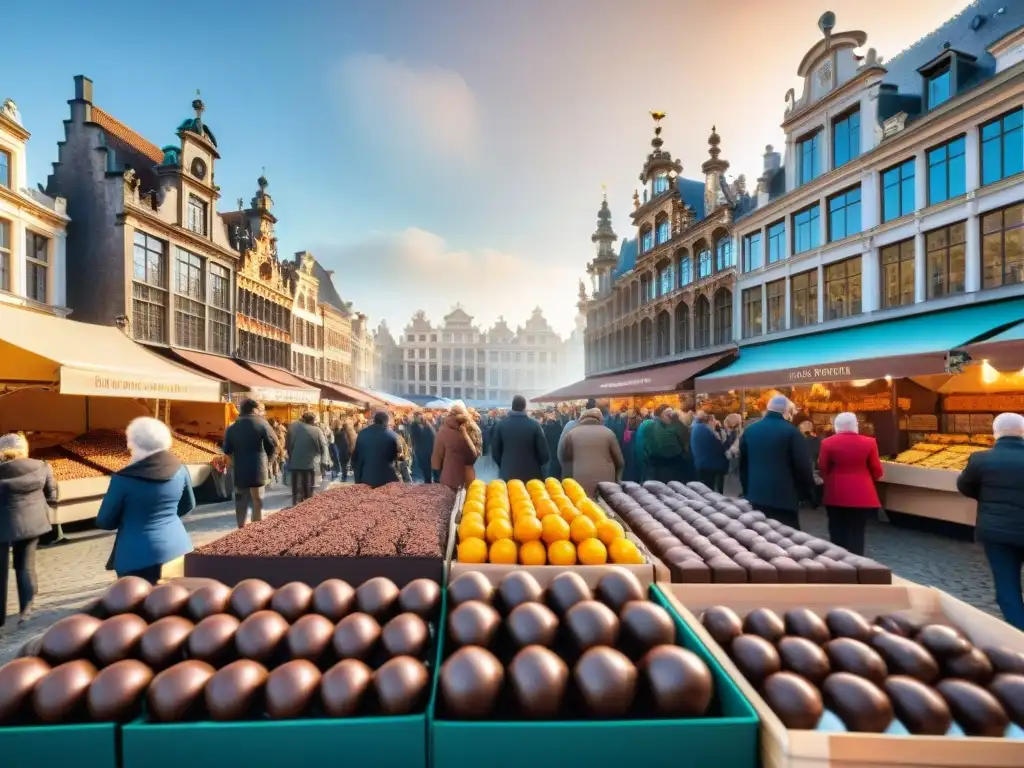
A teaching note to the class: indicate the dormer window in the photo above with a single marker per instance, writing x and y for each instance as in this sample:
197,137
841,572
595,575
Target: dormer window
845,138
660,184
808,164
940,87
946,75
196,215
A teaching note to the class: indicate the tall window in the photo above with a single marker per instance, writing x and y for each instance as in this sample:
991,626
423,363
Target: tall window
808,165
945,251
776,295
664,231
701,323
723,316
947,175
845,139
660,184
898,274
1002,147
1003,247
704,263
665,280
5,169
777,241
646,240
5,255
685,271
723,254
752,312
752,256
149,289
803,291
37,261
196,215
220,309
189,309
682,327
939,87
807,229
898,191
844,214
843,289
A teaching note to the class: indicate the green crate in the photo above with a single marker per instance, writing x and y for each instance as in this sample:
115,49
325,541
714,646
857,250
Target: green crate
729,741
86,745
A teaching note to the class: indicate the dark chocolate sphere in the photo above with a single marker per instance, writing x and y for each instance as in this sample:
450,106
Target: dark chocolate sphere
755,657
803,622
606,680
898,624
842,622
679,681
69,638
1009,690
292,600
208,601
532,624
249,596
165,600
17,679
519,587
539,678
794,699
592,623
471,585
420,596
118,638
176,693
804,657
260,634
401,685
356,636
942,642
473,623
647,625
343,687
213,638
290,688
60,695
617,588
723,624
1005,660
125,595
405,635
163,642
116,692
974,709
973,665
848,655
918,706
765,623
310,637
859,703
377,596
233,690
905,657
567,589
470,681
334,599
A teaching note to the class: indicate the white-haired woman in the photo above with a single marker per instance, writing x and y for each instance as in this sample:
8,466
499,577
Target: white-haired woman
27,491
850,467
145,503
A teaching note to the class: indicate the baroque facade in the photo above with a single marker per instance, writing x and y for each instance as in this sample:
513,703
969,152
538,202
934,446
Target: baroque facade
668,293
901,189
307,320
32,227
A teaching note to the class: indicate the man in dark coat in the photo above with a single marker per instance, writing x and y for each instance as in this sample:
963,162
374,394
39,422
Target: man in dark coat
553,433
373,460
306,446
520,449
251,444
708,452
775,471
422,436
995,478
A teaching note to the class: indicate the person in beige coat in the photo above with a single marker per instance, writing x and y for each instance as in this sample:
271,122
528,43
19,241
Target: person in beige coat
590,452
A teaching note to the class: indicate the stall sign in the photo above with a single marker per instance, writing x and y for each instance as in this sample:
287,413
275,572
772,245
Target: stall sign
626,383
75,381
284,395
821,373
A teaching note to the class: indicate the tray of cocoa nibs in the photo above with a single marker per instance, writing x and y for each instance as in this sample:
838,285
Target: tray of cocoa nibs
352,532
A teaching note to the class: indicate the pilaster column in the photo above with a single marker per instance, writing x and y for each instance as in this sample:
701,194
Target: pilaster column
920,270
737,313
972,159
789,302
19,265
821,294
920,181
871,282
972,256
764,308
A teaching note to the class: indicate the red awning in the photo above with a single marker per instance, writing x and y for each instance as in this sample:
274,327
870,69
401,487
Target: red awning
640,381
261,387
278,375
347,393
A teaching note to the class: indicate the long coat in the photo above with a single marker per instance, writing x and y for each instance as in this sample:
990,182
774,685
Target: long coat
995,478
520,449
421,433
775,469
250,442
590,454
452,455
27,491
849,465
306,445
708,451
144,504
374,457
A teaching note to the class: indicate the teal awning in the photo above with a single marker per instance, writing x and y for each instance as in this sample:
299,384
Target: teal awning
1003,351
906,346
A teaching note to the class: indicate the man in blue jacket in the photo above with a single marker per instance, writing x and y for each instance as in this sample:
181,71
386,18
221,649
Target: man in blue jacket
775,469
708,453
520,449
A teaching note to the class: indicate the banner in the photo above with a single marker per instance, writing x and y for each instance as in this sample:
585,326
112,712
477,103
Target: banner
76,381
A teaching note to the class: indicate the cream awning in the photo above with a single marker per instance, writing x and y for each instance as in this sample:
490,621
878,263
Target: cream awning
89,359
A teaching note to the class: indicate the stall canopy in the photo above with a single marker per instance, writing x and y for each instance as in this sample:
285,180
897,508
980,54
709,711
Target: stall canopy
393,400
903,347
346,393
89,359
1004,351
642,381
259,387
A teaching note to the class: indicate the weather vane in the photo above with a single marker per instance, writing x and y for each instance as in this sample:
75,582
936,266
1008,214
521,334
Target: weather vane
658,116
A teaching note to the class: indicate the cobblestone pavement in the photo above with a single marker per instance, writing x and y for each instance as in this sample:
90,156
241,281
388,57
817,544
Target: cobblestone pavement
72,575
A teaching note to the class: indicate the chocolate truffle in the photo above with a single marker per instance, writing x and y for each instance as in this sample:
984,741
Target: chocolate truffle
617,588
259,635
249,596
333,598
805,658
592,623
1009,690
860,704
68,638
848,655
400,684
356,636
918,706
1005,660
473,623
116,692
897,624
232,691
647,625
942,642
567,589
376,597
472,585
765,623
797,703
519,587
310,637
803,622
343,687
290,688
972,665
606,680
842,622
208,601
125,595
420,596
17,679
292,600
975,710
539,679
470,681
755,657
405,635
59,695
175,693
118,638
532,624
722,624
165,600
163,642
678,680
212,640
905,657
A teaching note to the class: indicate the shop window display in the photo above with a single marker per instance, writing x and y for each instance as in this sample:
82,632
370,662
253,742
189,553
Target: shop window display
945,253
776,294
843,289
898,274
1003,247
804,292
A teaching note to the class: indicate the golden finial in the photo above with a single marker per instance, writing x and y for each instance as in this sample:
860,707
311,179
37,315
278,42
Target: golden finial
604,190
657,116
636,199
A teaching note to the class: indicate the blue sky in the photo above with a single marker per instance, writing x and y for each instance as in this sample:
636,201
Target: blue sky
443,151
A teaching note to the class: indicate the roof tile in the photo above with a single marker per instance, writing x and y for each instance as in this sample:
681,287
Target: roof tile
126,135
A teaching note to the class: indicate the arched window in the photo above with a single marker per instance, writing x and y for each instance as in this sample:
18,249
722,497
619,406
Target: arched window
723,316
685,271
701,323
723,254
665,276
682,328
664,334
646,339
663,232
703,262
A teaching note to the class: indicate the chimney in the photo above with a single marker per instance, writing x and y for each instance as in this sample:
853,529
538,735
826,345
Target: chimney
83,89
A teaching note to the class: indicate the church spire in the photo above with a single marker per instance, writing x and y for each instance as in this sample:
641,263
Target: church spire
604,236
659,161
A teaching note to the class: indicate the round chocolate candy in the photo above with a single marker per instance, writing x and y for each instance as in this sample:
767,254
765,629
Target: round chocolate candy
905,657
860,704
68,638
722,624
471,585
765,623
606,679
1005,660
343,687
260,634
918,706
212,640
898,624
647,625
249,596
842,622
565,590
290,688
803,622
532,624
592,623
974,709
116,692
118,638
794,699
310,637
59,696
805,658
377,596
405,635
1009,690
232,691
208,601
848,655
539,678
165,600
942,642
163,642
973,665
519,587
175,693
420,596
333,599
292,600
755,657
400,684
125,595
617,588
17,679
678,680
356,636
470,681
473,623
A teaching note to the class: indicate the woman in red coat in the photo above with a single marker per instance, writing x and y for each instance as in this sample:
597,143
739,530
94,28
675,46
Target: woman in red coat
850,467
